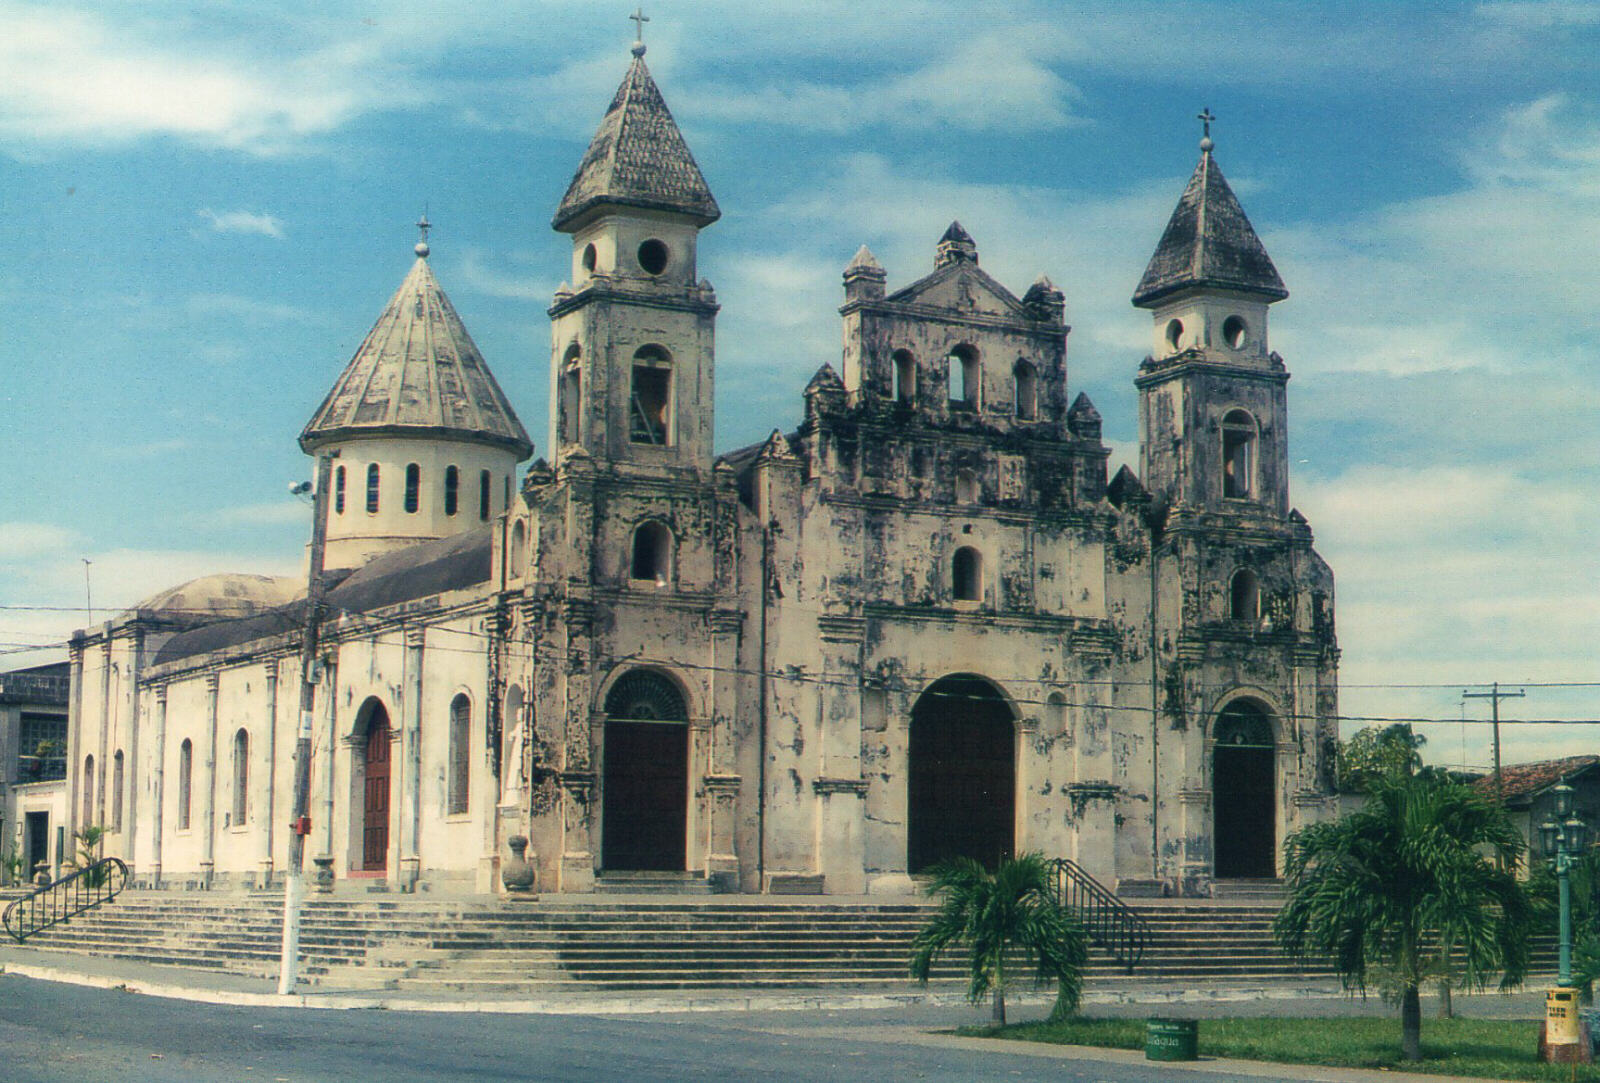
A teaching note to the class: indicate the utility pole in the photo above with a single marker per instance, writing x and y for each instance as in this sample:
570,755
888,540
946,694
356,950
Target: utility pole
293,882
1495,696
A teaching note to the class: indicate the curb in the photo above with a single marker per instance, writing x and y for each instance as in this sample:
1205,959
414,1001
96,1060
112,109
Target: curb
632,1005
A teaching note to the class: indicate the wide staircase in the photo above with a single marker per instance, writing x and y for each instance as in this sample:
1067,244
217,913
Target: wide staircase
417,943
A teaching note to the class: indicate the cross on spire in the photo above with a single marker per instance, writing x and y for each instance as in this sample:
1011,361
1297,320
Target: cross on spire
423,225
1205,117
639,19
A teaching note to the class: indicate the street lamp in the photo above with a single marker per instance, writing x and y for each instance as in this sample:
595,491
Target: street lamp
1563,843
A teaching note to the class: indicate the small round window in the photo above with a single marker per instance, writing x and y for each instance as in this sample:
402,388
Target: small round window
1174,333
1234,332
589,259
653,257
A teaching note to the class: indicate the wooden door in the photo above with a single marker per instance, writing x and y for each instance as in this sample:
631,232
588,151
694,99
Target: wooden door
375,796
646,796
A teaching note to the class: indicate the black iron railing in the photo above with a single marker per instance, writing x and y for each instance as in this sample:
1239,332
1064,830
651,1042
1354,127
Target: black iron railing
1108,920
66,898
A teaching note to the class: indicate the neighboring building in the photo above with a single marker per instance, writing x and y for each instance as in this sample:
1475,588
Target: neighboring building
33,766
920,623
1528,791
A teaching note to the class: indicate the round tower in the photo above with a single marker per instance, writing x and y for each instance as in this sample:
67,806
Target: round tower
426,443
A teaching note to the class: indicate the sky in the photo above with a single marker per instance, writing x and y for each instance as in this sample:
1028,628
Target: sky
207,206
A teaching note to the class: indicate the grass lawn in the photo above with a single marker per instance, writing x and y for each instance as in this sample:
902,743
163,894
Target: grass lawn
1489,1048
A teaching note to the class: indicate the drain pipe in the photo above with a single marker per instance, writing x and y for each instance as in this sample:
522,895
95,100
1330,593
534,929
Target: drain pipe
761,722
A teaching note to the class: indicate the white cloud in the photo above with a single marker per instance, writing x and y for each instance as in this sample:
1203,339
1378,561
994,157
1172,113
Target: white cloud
265,225
20,541
997,81
90,79
478,273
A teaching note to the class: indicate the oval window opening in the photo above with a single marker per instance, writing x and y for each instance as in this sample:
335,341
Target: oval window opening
1174,333
589,259
653,257
1234,332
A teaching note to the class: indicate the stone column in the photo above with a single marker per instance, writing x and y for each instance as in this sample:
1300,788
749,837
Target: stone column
158,778
208,787
103,762
330,742
265,788
839,789
411,758
130,783
1025,767
583,731
719,814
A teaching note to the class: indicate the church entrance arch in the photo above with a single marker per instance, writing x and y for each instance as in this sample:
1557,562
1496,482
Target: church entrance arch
1243,785
961,780
645,785
373,725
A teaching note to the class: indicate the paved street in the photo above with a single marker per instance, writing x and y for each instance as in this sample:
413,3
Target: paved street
54,1033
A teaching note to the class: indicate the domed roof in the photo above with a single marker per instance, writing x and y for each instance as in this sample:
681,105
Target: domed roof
227,594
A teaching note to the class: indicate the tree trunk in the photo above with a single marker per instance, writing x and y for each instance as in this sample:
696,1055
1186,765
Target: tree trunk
999,1017
1446,1007
1411,1024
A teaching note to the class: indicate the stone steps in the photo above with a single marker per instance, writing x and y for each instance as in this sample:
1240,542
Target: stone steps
489,947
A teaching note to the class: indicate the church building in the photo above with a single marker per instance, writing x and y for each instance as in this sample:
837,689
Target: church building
918,621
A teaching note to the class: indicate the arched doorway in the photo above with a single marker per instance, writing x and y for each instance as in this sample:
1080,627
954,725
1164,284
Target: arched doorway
374,786
1243,769
961,784
645,787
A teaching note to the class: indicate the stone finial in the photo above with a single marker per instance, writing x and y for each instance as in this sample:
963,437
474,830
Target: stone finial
956,246
1083,419
1044,301
864,278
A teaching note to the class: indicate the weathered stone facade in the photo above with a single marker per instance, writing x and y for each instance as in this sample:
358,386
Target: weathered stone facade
922,623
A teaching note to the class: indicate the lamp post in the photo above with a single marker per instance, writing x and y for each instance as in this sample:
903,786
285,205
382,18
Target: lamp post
1563,839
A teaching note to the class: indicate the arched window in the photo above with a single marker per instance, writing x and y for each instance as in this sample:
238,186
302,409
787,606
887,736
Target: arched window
460,755
517,559
413,487
116,791
652,553
185,782
241,777
966,487
966,574
905,378
88,790
452,489
1026,386
1244,602
372,489
1174,334
483,496
570,401
650,397
338,491
966,378
1238,454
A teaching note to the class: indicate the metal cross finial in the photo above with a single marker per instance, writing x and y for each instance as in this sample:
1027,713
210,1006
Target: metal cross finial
424,225
1205,117
639,19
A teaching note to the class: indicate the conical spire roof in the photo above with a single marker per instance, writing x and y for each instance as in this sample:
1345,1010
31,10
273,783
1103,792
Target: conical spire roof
418,373
638,159
1209,243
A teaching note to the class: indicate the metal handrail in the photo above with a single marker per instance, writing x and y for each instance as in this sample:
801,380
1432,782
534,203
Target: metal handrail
1108,920
65,898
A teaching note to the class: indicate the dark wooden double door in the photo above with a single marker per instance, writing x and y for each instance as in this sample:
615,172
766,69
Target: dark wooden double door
375,795
961,799
646,796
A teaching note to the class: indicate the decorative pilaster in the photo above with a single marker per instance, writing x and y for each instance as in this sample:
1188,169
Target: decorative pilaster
265,790
158,780
208,791
410,865
840,844
577,828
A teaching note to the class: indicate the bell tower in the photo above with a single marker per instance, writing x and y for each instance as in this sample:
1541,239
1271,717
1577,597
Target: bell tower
1212,408
633,334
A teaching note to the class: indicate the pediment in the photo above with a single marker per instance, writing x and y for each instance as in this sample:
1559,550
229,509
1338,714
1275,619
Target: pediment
964,287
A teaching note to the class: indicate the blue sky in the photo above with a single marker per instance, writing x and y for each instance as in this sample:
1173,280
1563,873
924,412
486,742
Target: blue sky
206,207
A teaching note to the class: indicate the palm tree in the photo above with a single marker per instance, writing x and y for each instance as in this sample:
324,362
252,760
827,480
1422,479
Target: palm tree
1426,862
1012,909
